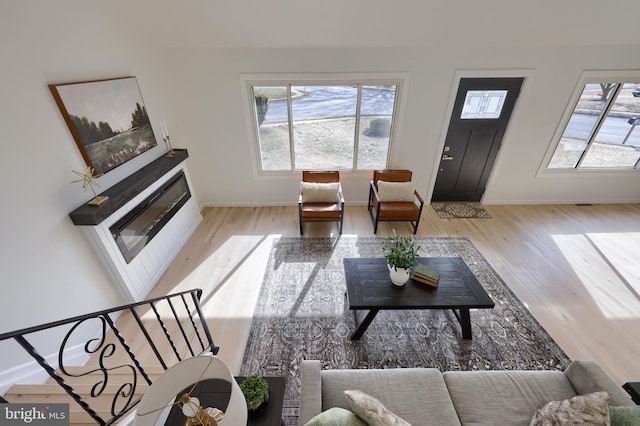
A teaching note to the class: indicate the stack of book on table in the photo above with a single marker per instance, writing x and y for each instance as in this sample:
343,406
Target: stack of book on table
426,274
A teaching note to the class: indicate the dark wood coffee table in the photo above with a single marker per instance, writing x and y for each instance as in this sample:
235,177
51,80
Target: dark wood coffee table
370,288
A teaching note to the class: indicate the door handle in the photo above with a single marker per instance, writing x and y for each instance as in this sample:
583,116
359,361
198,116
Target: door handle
446,157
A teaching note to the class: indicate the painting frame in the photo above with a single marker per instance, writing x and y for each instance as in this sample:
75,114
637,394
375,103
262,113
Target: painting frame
107,119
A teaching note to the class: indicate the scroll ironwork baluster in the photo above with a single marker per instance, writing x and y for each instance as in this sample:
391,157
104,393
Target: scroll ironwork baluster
196,300
103,348
193,323
72,393
143,328
175,315
166,332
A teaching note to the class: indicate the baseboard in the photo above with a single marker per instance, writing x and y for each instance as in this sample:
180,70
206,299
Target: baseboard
495,202
31,373
268,204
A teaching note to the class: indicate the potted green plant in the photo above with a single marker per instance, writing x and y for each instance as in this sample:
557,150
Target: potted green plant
255,390
401,253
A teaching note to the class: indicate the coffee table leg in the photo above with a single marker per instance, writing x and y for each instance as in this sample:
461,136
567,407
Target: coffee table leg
465,323
360,328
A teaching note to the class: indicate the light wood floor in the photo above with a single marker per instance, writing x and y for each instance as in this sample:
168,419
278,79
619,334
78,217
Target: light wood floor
576,268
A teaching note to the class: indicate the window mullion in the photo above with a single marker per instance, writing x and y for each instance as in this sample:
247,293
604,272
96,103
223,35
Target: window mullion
356,139
292,150
599,123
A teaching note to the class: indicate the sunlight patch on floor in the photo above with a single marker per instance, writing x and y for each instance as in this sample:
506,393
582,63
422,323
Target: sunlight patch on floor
611,288
233,274
622,251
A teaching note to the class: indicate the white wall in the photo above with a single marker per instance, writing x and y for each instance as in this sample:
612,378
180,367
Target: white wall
208,100
48,269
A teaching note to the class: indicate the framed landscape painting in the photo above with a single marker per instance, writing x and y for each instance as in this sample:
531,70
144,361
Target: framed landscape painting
108,120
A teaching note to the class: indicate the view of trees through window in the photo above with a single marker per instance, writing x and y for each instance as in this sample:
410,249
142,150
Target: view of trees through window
332,127
601,132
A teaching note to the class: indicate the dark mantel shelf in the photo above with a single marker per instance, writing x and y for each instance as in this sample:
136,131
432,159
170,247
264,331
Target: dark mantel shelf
125,190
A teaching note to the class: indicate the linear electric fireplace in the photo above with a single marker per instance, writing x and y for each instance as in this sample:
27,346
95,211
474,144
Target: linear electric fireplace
138,227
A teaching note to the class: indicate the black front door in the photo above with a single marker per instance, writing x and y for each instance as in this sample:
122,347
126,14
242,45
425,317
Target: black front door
479,119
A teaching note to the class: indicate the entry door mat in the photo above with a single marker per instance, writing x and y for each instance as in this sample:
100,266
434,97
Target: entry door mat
302,314
460,210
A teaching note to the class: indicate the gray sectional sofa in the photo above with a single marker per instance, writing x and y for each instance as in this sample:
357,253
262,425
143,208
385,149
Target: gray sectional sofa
424,396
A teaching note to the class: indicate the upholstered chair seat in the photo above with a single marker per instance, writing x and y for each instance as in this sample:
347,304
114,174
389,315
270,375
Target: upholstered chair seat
393,198
320,198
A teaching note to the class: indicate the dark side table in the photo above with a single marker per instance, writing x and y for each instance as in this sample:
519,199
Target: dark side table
633,389
215,393
270,412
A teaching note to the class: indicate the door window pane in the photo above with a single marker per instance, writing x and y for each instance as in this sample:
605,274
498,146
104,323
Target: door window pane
479,104
376,119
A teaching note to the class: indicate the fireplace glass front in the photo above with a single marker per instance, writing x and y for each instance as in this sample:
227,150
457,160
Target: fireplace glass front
138,227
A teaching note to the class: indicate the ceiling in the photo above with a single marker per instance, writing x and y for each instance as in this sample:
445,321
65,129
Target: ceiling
377,23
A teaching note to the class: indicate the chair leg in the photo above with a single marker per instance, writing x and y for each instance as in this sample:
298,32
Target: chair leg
300,218
375,225
374,221
415,227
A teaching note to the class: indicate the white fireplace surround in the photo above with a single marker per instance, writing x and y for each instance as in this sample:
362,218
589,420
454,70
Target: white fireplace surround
137,278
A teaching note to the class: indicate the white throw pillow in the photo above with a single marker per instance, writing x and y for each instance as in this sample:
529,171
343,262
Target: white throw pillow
396,191
316,192
372,411
588,410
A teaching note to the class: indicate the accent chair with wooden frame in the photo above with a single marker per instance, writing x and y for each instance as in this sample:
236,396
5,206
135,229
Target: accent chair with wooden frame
320,198
394,199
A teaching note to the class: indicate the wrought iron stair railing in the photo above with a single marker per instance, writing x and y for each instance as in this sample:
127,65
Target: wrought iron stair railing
162,331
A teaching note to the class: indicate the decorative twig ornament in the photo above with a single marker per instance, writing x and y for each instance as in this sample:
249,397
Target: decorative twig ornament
88,181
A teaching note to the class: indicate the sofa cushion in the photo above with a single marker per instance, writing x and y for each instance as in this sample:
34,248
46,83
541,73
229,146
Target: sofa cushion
589,410
372,411
336,416
504,397
407,392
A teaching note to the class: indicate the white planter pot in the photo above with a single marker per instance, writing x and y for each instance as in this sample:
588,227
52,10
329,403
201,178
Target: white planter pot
399,276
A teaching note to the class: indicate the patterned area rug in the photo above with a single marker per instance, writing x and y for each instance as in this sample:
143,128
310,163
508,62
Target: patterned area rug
460,210
302,314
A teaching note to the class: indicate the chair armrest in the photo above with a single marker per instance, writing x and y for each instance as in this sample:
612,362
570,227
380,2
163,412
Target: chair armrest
310,390
340,194
300,195
419,197
374,192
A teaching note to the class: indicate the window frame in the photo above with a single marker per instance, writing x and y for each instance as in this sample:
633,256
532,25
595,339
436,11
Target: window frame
248,81
588,77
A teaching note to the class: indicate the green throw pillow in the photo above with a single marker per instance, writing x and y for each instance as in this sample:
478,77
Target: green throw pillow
336,416
624,416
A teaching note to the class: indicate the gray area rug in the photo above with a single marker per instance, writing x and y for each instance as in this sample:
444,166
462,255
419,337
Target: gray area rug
460,210
302,314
